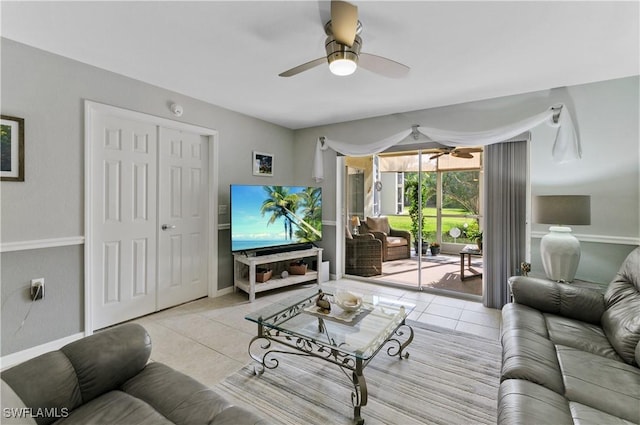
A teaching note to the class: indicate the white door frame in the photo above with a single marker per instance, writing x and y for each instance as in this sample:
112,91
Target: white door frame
90,109
340,216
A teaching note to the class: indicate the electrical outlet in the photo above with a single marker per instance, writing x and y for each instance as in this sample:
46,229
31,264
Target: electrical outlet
37,289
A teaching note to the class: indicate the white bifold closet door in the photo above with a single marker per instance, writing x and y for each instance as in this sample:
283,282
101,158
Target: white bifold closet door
149,218
183,200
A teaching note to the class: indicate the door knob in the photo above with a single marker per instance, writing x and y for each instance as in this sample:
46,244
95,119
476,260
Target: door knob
167,227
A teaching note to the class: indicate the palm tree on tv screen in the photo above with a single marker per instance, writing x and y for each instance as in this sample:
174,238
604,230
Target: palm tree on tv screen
281,203
310,202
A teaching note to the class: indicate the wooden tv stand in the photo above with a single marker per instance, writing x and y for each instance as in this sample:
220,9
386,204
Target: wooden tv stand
244,270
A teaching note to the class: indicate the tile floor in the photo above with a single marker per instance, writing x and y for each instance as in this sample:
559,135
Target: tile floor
208,338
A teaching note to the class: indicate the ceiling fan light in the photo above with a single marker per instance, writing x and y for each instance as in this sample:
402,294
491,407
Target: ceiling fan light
343,59
342,67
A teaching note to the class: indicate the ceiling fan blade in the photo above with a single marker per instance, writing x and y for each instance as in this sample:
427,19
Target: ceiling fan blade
383,66
304,67
458,154
344,22
470,150
438,155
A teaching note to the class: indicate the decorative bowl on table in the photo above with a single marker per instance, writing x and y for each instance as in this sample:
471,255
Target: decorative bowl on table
347,301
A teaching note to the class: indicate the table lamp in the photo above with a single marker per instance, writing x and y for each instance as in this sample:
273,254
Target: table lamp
355,223
559,249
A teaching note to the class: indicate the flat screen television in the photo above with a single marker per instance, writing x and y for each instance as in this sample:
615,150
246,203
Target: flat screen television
274,216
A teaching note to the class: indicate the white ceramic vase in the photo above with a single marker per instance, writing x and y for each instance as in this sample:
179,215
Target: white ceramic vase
560,252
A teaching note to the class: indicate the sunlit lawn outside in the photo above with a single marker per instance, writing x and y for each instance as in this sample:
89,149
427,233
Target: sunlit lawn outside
403,222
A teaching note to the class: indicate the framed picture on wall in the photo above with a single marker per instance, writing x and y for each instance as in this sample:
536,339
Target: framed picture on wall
262,164
12,149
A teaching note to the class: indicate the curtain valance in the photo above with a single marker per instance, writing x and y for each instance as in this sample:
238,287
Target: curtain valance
565,148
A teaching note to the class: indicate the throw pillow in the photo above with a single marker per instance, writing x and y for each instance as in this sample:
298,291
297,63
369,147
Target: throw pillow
379,224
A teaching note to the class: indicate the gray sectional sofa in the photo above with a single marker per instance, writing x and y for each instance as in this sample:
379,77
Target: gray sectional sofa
106,379
570,355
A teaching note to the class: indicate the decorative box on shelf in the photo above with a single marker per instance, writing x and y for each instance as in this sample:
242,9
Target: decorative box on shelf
298,267
262,275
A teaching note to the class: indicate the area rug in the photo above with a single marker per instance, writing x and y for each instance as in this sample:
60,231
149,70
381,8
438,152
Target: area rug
449,378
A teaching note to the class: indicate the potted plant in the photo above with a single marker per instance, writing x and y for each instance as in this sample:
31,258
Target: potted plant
425,243
475,234
435,248
417,219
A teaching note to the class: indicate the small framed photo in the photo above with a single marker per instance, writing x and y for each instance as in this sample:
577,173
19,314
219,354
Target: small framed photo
262,164
12,149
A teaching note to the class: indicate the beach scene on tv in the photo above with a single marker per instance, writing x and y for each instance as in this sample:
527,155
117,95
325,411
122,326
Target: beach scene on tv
268,216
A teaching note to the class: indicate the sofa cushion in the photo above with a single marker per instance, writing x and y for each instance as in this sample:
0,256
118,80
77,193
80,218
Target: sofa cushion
528,356
380,224
396,241
98,359
114,407
523,402
581,335
45,382
588,415
621,320
604,384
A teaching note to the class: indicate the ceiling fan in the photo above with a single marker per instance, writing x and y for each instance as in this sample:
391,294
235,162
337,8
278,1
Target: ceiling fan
465,153
343,45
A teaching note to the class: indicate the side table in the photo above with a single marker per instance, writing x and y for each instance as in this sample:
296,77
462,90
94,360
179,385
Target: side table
468,251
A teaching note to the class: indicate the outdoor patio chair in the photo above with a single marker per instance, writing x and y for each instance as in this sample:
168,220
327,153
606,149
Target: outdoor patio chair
363,255
396,244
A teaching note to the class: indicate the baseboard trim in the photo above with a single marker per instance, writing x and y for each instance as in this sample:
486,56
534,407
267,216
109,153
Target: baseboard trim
224,291
41,243
24,355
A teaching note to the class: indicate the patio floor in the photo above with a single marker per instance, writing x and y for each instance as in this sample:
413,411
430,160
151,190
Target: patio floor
438,272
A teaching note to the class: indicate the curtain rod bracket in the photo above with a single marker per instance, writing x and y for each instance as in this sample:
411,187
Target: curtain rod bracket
321,141
414,132
556,113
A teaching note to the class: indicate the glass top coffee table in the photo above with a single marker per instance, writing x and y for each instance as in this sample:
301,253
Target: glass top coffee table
348,339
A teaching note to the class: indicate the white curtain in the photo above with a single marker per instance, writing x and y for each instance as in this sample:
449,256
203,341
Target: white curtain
505,195
565,148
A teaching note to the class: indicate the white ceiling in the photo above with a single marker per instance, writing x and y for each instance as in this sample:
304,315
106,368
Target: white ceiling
230,53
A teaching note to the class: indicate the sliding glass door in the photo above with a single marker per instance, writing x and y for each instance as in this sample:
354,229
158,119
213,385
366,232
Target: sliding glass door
434,197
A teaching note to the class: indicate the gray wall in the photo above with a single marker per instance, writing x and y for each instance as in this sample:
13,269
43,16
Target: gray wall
606,117
60,314
48,91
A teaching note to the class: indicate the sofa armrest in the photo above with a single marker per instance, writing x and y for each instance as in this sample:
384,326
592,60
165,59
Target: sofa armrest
365,236
558,298
381,236
183,400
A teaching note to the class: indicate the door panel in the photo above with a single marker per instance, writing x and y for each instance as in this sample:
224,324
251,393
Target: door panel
124,224
183,274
